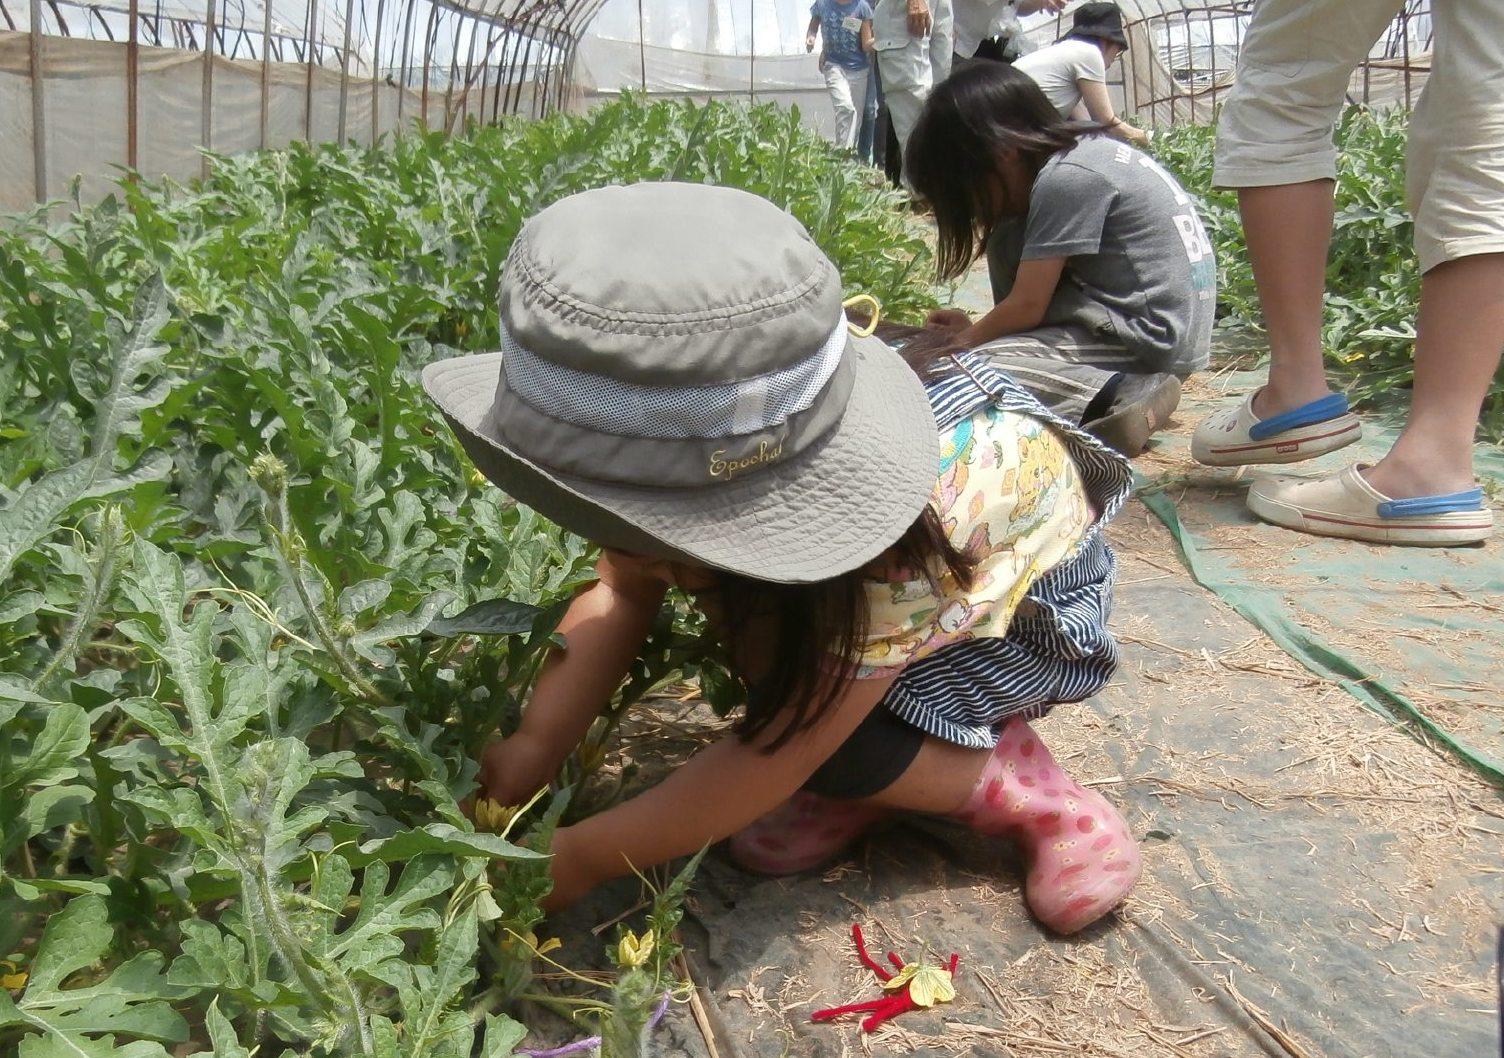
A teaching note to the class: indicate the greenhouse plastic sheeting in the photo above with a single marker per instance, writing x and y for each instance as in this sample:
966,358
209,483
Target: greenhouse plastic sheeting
86,112
702,49
608,66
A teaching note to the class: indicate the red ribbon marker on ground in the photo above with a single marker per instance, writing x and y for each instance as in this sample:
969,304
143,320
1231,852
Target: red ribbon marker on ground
902,1000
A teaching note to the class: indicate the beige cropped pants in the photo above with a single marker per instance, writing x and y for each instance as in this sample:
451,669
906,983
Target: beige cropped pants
1292,77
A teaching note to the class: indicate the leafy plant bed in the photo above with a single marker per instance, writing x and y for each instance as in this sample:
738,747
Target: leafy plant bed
258,616
1373,280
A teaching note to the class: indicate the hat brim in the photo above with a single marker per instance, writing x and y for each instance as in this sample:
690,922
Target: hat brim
830,509
1112,36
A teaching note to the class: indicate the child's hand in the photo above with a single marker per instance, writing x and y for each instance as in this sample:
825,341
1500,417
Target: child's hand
512,770
932,343
948,320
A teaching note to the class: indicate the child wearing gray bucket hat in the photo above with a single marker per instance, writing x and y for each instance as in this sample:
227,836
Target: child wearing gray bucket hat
905,563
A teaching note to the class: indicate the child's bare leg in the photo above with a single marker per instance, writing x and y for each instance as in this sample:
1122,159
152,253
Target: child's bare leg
939,782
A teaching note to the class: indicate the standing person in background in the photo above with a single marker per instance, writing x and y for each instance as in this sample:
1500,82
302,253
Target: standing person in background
989,29
1073,71
1274,144
845,58
867,138
913,41
892,156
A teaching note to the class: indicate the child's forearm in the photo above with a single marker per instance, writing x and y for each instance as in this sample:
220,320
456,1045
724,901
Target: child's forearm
1009,316
719,791
1025,307
603,630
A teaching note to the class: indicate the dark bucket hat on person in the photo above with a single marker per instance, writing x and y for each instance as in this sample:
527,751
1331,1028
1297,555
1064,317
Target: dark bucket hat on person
677,379
1102,21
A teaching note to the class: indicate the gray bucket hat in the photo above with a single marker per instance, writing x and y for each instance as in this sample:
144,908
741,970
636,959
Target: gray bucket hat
677,379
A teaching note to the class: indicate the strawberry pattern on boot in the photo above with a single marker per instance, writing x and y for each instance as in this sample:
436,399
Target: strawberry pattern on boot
1082,860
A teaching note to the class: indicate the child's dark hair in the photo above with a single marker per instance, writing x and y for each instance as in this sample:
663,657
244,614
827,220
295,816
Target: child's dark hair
808,634
970,121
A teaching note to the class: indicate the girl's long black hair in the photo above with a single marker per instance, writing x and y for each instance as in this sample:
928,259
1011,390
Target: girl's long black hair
969,123
794,644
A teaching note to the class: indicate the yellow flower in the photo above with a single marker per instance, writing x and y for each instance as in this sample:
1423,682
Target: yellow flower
551,944
633,951
493,816
15,979
592,756
928,984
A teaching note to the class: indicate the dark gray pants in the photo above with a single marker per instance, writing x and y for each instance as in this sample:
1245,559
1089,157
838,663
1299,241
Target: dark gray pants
1064,366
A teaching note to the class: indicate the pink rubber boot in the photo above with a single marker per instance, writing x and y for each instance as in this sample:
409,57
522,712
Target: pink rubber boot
803,832
1082,860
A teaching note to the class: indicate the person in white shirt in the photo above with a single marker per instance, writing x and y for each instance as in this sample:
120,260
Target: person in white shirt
989,29
1072,73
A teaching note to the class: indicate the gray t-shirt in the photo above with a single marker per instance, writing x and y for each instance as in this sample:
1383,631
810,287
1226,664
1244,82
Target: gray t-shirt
1139,265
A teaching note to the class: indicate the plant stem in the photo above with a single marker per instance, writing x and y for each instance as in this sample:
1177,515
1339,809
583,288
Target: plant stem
97,593
288,548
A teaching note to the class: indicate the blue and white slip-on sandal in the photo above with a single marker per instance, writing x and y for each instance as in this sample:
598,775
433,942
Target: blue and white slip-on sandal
1234,436
1346,505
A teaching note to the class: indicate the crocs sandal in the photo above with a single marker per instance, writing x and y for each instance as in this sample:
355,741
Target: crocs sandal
1346,505
1235,436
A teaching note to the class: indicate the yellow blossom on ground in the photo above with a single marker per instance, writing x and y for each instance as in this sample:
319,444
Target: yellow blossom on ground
633,951
928,984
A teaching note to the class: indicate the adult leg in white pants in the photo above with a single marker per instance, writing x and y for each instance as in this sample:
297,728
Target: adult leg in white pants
911,65
1275,146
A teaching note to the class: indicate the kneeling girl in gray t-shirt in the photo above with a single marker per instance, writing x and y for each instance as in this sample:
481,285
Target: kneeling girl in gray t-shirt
1099,263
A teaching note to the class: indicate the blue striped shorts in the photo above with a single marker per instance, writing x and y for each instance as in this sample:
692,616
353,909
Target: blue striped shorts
1057,649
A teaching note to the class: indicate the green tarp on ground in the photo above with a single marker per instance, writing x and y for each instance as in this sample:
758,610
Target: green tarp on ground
1415,633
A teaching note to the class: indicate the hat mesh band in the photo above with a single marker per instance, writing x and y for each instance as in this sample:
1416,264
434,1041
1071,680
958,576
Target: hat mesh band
613,406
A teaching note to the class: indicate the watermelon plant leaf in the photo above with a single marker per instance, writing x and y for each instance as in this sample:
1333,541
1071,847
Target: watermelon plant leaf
33,512
259,613
494,617
133,999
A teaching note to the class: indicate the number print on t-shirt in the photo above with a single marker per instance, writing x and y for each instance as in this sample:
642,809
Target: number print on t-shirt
1198,248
